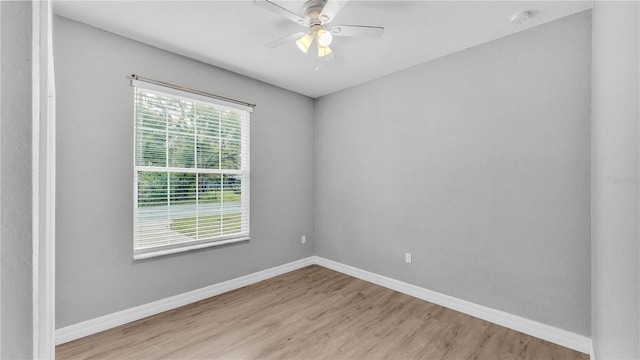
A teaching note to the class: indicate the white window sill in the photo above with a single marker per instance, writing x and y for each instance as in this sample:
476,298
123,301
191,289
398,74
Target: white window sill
146,254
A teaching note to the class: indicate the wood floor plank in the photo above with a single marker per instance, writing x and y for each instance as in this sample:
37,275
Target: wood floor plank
469,337
514,346
312,313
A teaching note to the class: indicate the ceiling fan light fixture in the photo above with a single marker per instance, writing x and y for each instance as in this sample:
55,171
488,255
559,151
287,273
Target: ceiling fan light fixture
305,42
317,17
324,37
324,51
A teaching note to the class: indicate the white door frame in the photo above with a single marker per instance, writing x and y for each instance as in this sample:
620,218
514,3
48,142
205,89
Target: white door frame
43,181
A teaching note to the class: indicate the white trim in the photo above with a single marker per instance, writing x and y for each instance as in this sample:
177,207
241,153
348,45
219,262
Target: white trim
592,352
0,178
546,332
48,328
36,287
85,328
142,254
43,181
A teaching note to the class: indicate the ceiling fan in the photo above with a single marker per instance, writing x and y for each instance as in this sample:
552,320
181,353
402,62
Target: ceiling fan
317,15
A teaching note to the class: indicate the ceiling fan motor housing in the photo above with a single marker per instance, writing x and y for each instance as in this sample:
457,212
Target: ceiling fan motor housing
312,10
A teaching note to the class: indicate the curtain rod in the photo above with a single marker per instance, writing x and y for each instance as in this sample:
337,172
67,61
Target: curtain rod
198,92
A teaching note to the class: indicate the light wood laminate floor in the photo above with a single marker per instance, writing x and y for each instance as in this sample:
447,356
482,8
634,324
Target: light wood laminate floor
312,313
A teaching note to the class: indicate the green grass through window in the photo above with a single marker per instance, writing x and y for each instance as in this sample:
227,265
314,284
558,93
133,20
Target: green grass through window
208,226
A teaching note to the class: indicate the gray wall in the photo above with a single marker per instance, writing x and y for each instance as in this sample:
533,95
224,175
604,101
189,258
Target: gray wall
95,274
478,164
15,181
615,196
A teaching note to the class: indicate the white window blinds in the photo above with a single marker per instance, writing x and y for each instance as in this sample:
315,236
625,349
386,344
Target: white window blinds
191,171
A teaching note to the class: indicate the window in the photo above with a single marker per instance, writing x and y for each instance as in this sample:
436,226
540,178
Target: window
191,187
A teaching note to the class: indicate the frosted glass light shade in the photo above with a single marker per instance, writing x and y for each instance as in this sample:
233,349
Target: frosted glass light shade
304,42
323,51
324,38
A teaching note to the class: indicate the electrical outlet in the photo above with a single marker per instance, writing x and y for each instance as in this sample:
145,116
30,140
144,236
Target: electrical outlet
303,239
407,258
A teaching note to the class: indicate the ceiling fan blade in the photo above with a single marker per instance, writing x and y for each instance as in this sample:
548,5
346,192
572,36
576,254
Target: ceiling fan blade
275,8
287,39
330,10
357,31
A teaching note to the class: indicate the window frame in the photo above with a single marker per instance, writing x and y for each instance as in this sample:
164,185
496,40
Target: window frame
244,171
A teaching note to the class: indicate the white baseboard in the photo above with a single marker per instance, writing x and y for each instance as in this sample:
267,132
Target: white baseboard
546,332
530,327
592,352
89,327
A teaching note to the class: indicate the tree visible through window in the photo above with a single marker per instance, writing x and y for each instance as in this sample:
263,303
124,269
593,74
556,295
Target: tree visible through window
192,172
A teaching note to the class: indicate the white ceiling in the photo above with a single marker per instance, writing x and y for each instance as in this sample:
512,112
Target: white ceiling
232,34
